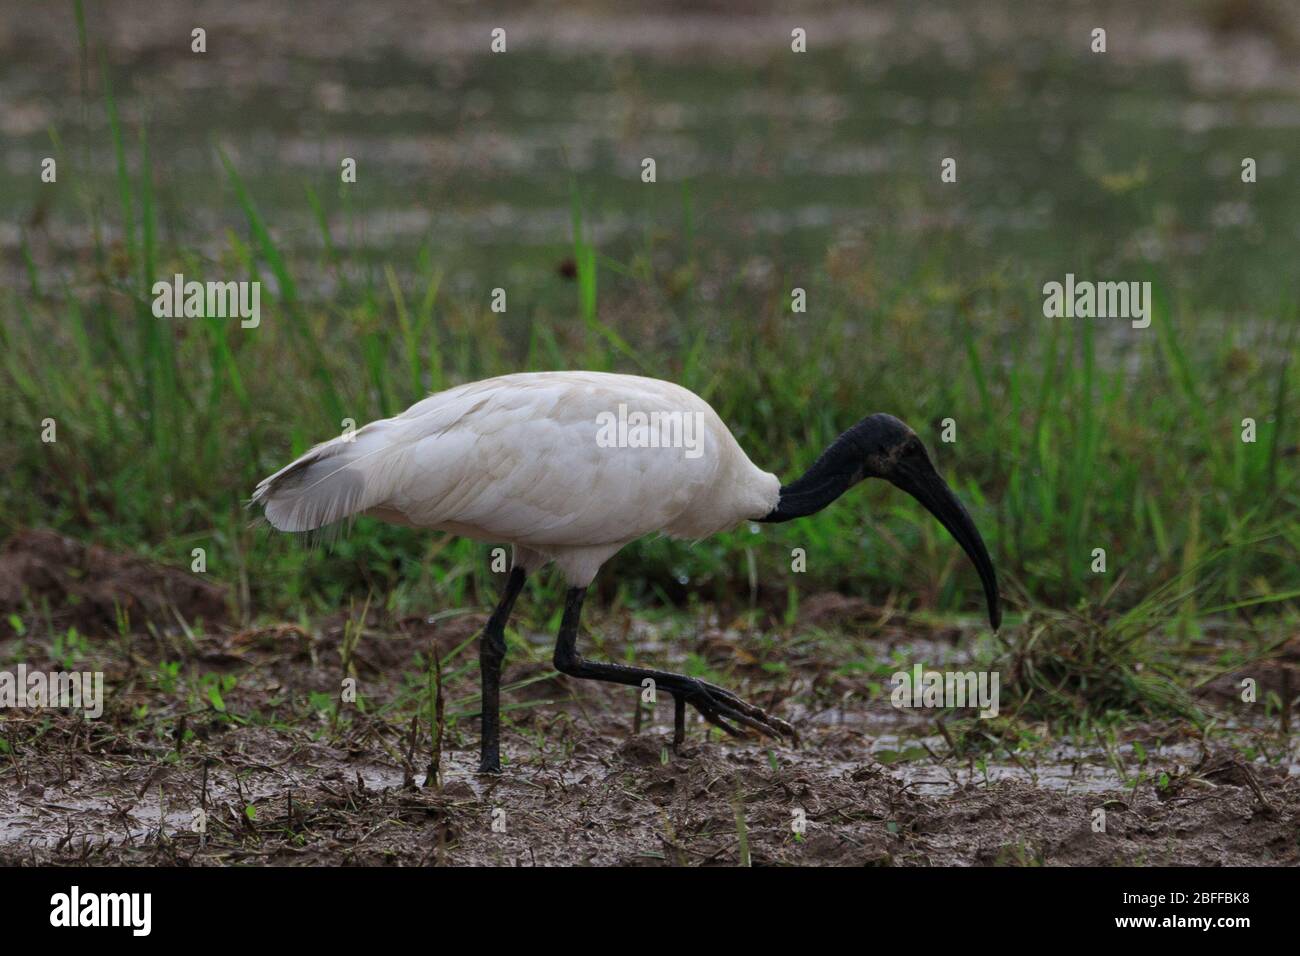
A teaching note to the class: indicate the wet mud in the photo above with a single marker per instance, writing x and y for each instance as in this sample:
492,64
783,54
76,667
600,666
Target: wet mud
222,745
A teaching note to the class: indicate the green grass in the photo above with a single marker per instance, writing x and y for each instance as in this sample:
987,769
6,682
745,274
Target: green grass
1072,435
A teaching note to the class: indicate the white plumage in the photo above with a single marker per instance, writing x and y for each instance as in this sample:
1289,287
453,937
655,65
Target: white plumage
516,459
532,460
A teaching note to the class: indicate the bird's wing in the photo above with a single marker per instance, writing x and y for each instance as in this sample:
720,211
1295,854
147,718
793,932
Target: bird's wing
356,471
514,459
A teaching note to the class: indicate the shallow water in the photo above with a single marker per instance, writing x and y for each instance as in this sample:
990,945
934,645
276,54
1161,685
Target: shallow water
767,161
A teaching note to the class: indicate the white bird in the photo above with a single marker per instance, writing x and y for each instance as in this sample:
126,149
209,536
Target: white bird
568,468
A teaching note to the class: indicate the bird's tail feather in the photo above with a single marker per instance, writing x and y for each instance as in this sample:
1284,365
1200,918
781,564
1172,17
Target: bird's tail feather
335,480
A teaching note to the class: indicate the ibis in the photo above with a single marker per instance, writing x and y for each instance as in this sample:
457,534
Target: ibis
568,468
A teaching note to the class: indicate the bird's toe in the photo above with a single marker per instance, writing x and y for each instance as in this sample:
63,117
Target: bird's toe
721,707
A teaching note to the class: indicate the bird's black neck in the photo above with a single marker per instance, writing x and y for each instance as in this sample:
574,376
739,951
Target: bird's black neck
838,469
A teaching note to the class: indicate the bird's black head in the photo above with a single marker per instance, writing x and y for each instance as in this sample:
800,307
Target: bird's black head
893,451
886,445
881,446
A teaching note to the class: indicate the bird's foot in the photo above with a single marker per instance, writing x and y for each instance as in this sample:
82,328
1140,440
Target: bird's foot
721,708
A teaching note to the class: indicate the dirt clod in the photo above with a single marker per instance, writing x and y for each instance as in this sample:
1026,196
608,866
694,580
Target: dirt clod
86,585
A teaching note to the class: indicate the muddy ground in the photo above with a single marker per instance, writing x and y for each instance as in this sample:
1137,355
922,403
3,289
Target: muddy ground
233,731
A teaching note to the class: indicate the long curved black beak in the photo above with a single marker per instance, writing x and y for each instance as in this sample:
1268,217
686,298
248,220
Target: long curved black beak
919,479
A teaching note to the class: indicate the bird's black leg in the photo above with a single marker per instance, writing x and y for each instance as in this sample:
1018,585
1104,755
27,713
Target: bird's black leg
491,654
718,706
